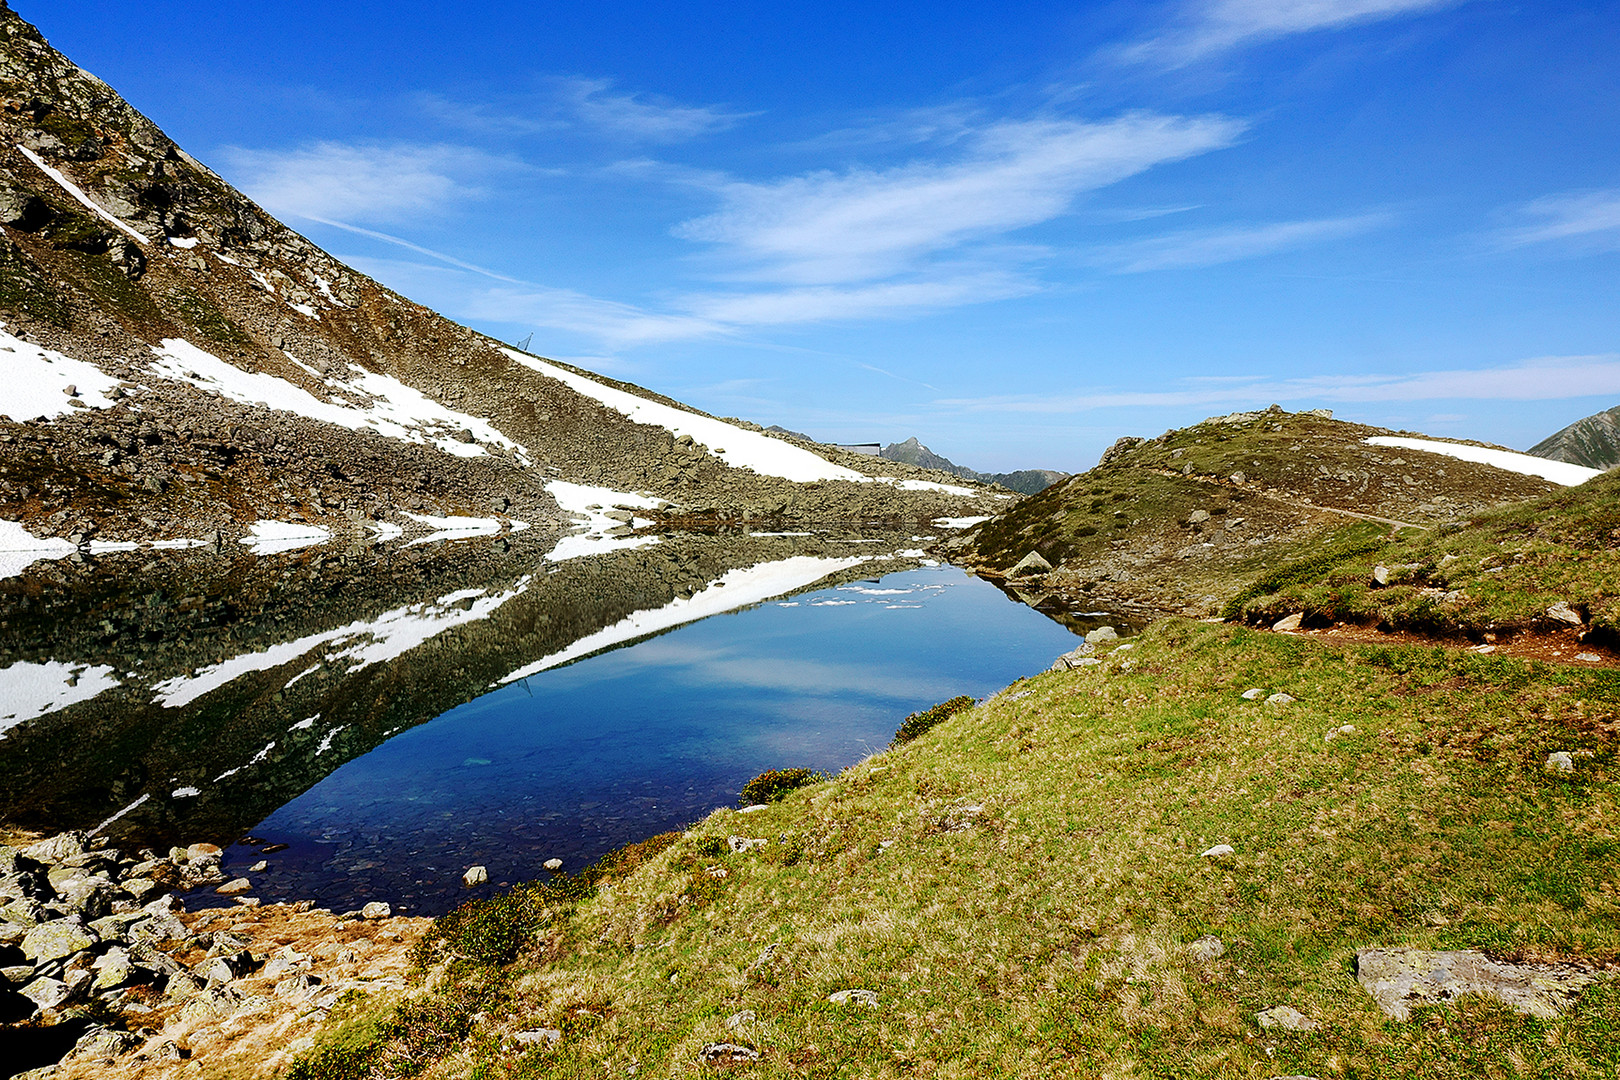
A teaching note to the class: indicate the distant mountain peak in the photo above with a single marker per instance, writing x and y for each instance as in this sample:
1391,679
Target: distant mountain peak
1024,481
1593,441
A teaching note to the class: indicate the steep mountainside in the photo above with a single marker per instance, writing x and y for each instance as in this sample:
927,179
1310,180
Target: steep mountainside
176,362
1593,442
1024,481
1181,522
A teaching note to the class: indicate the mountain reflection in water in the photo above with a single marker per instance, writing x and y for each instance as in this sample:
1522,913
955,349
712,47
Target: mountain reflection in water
396,718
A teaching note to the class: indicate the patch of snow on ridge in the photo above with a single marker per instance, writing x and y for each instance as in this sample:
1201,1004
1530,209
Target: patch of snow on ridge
395,410
389,635
73,189
34,381
1559,472
736,589
271,537
29,690
737,447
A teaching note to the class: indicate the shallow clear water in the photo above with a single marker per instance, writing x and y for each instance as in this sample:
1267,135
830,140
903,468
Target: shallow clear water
575,761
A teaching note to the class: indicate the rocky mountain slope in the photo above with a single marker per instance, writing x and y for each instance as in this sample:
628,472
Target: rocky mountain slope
1025,481
1593,441
1182,522
174,363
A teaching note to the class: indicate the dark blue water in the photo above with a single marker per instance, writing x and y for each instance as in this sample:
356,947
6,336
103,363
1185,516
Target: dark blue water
581,759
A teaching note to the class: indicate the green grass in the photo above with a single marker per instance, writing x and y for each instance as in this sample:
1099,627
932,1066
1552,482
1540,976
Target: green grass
1504,567
1019,884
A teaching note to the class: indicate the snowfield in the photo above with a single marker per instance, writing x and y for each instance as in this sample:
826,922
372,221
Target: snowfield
20,549
592,503
737,447
1559,472
385,405
34,381
736,589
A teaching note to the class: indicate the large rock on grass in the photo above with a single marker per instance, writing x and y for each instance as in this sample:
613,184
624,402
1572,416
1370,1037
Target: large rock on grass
1399,979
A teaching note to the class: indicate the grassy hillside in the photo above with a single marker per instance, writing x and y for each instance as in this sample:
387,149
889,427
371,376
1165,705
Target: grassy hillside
1021,885
1497,573
1180,522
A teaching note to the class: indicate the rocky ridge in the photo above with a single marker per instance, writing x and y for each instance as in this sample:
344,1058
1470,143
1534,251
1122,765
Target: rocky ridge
1593,441
193,365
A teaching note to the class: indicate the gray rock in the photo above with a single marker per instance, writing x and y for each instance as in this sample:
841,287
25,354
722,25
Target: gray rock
553,865
724,1053
1285,1018
1280,698
114,969
56,849
223,969
47,994
1072,658
17,974
1030,564
475,875
1206,949
181,986
224,942
377,909
297,987
104,1044
1289,622
140,888
1219,851
740,1019
1198,517
1380,575
1102,634
1398,979
235,887
868,998
538,1037
56,941
1565,614
164,927
116,927
742,845
1559,761
1254,694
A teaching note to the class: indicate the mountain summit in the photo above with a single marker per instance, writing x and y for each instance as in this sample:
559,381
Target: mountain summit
175,363
1024,481
1593,442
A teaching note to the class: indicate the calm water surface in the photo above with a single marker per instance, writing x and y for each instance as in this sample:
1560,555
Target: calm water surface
575,761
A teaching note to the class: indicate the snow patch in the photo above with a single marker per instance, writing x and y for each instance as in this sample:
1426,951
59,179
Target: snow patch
178,545
73,189
185,793
29,690
393,409
736,589
1559,472
737,447
270,537
109,547
959,522
593,503
34,381
185,243
386,531
454,528
20,549
306,309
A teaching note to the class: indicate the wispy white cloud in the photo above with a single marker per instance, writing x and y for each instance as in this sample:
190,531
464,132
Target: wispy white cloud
1206,27
1591,218
377,183
840,227
1549,378
1211,247
639,117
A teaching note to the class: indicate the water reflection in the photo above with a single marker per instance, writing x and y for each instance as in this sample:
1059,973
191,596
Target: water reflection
396,717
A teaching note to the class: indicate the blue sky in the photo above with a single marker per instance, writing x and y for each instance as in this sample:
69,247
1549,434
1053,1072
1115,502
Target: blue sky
1017,231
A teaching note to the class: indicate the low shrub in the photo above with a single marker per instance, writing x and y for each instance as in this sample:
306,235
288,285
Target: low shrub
773,786
919,722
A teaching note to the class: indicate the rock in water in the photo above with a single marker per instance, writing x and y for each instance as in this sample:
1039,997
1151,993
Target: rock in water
1030,564
1397,979
553,865
475,875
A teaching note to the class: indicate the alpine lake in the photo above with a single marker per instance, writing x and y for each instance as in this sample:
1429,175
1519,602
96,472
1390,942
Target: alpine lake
370,721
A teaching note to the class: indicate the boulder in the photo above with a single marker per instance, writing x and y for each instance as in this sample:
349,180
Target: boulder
1285,1018
1219,851
1398,979
377,909
223,969
1030,564
1280,698
56,849
1254,694
1565,614
1288,622
724,1053
553,865
1071,659
475,875
235,887
1380,575
104,1044
1198,517
56,941
1102,635
867,998
202,851
47,994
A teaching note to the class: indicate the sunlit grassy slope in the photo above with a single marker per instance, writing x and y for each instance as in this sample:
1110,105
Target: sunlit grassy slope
1019,886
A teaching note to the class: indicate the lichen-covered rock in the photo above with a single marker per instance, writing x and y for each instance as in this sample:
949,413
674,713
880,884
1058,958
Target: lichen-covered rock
1398,979
1285,1018
56,941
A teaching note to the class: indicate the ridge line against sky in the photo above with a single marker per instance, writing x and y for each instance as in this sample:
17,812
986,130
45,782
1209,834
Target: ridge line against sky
1066,217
